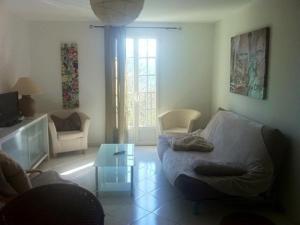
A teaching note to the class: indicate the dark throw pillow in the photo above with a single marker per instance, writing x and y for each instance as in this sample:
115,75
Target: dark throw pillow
70,123
217,169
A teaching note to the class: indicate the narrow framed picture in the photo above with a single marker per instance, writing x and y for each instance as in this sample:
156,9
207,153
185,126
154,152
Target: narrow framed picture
70,75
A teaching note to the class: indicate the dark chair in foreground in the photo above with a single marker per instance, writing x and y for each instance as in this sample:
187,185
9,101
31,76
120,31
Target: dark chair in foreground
53,204
243,218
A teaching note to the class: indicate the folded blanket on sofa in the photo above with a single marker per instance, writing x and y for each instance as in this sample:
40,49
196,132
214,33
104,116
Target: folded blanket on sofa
218,169
191,143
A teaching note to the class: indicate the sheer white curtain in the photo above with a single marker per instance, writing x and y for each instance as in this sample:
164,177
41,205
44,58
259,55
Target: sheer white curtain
115,57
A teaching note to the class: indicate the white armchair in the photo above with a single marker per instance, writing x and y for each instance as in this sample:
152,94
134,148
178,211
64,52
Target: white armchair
66,141
178,121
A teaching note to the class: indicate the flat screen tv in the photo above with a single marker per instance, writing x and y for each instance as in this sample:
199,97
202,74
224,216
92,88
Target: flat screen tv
9,109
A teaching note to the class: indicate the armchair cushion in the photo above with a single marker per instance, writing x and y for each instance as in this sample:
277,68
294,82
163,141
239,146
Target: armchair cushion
71,123
70,135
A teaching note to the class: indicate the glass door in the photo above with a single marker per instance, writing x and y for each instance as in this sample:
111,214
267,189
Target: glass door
141,77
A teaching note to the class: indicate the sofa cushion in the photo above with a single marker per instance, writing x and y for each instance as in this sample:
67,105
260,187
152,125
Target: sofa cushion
70,135
70,123
14,174
207,168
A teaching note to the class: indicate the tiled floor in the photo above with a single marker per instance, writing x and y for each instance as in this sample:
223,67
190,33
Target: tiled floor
155,201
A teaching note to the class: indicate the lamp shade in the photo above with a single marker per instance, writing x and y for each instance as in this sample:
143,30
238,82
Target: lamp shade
117,12
25,86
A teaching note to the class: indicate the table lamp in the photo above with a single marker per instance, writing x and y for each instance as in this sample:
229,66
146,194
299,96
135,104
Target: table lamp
26,87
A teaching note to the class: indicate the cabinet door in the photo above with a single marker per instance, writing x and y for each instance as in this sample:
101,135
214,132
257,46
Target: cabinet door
37,141
30,144
16,147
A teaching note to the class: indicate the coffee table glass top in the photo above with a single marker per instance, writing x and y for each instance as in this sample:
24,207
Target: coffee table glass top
106,158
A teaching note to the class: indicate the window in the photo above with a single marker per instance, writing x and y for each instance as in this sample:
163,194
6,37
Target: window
141,73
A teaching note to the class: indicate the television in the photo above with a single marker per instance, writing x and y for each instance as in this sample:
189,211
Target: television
9,109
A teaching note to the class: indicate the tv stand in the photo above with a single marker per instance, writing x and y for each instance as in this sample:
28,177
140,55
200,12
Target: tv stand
10,123
27,142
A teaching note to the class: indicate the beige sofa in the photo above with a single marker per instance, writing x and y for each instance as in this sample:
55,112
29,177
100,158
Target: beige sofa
178,121
67,141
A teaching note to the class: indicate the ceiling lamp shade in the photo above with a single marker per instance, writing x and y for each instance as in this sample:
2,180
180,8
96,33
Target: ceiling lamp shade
117,12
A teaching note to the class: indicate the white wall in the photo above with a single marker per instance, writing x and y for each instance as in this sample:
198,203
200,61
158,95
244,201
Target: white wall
184,71
46,38
14,49
281,109
185,65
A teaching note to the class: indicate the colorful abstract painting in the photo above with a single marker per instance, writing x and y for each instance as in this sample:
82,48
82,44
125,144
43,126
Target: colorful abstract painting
69,73
249,62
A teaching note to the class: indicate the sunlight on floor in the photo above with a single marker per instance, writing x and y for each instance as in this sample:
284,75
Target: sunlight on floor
77,169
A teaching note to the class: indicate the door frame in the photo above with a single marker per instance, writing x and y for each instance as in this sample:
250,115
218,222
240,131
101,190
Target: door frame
136,35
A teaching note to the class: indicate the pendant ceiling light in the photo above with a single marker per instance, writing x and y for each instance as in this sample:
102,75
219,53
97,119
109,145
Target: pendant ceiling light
117,12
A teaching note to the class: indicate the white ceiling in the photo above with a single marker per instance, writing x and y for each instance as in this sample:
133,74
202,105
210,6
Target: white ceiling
154,10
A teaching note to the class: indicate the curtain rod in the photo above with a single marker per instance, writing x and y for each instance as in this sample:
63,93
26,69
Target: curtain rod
164,28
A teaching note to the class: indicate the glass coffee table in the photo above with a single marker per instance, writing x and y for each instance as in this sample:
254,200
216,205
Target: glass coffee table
114,168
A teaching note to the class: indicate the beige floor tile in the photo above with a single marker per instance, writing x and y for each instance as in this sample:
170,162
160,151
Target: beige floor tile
153,219
149,203
129,213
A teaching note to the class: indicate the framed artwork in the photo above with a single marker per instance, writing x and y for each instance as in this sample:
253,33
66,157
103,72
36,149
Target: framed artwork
69,74
249,63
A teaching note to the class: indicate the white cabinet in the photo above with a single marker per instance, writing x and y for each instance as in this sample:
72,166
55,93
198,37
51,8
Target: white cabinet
27,142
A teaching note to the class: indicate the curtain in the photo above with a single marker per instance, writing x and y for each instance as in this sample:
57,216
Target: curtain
115,56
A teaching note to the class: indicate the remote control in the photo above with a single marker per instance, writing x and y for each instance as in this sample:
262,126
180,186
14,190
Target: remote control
119,153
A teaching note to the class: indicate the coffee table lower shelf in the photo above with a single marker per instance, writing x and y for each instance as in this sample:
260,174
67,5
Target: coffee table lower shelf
97,180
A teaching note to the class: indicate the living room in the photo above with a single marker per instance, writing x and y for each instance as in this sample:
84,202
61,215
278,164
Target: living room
191,48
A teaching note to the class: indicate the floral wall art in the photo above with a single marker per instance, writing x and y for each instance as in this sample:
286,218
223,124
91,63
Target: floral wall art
70,76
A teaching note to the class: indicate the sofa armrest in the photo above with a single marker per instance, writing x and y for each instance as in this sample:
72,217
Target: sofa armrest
192,123
53,136
85,123
52,129
164,121
160,124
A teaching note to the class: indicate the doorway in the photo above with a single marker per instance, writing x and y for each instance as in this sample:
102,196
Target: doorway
141,83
